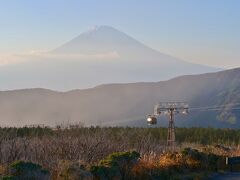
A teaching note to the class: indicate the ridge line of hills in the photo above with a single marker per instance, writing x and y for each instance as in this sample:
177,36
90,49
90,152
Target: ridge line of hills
126,104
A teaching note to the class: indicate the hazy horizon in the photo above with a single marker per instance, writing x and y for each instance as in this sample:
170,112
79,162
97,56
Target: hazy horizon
202,32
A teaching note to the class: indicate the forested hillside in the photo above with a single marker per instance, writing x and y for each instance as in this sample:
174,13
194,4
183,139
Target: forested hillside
127,104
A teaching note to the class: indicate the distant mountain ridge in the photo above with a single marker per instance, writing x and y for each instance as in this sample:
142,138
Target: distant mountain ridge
127,104
100,56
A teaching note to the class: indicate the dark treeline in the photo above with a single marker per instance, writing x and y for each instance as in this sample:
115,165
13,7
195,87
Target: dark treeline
196,135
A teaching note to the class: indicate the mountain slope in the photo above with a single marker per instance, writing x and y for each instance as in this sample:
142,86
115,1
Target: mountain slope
99,40
102,55
126,104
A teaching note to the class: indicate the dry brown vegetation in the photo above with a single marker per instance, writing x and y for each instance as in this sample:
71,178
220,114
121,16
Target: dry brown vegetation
78,149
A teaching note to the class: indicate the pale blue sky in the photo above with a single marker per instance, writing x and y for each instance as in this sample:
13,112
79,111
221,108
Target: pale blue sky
201,31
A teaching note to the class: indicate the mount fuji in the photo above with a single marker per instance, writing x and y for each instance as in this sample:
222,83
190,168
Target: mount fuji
99,56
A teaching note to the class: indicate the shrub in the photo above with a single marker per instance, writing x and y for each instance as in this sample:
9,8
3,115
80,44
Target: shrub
74,170
202,160
116,166
8,178
26,170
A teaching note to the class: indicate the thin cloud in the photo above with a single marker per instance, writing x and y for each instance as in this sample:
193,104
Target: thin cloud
6,59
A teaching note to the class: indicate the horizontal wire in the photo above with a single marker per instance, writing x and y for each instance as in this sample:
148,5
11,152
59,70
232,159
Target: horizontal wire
218,109
229,106
216,106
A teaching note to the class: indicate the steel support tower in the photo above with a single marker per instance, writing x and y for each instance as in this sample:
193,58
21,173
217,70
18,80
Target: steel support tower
171,129
170,109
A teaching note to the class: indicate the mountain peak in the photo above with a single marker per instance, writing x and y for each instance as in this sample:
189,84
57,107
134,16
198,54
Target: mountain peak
99,39
101,28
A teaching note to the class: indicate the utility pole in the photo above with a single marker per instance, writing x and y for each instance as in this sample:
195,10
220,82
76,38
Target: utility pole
170,109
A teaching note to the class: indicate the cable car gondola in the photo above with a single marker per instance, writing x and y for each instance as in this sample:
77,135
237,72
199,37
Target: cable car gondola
151,120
